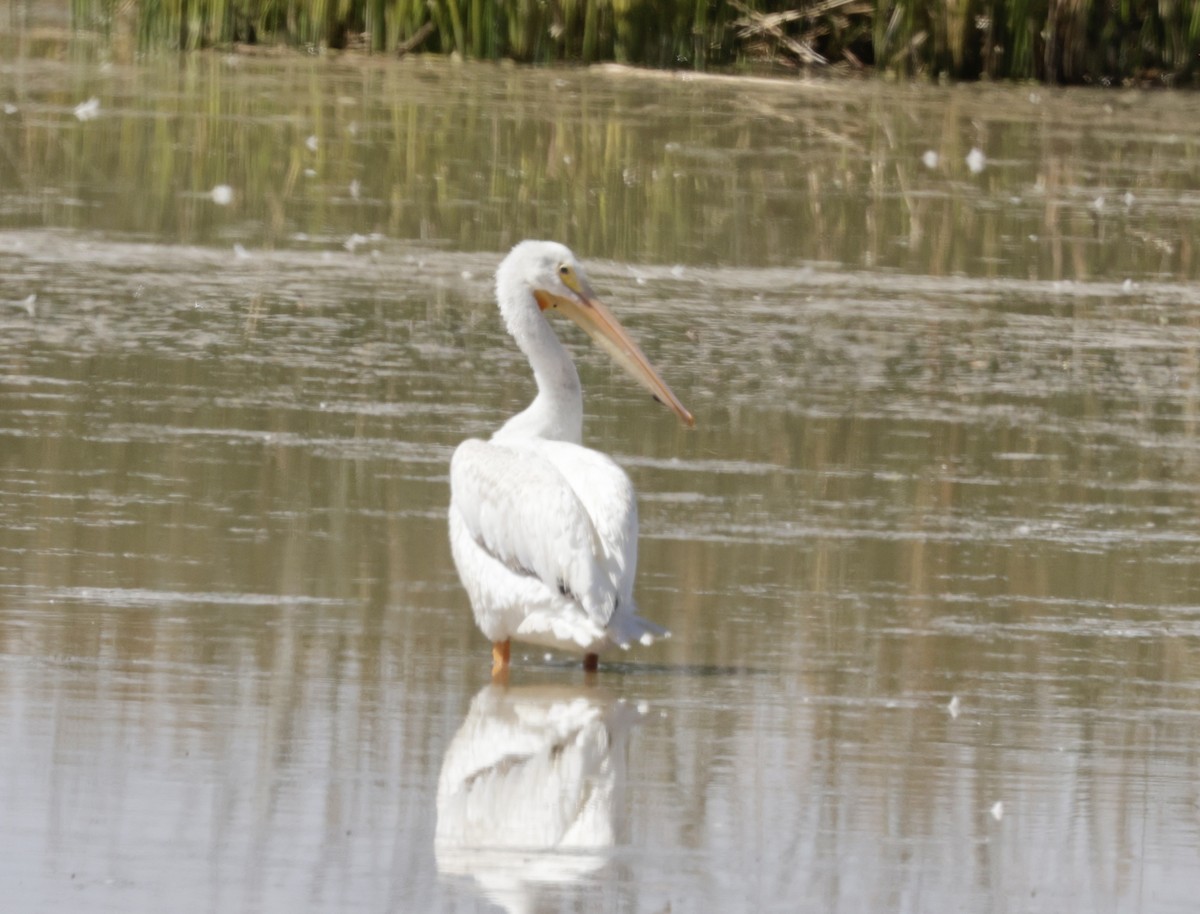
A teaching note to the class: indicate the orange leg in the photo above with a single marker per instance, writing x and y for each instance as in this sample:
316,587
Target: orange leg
591,662
500,654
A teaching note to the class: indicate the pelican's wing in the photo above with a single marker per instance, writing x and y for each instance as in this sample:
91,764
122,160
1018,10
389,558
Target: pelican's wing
608,498
517,505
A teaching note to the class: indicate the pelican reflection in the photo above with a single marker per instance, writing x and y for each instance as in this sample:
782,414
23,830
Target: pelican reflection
532,789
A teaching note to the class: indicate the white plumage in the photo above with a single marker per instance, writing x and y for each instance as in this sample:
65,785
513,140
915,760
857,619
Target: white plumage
544,530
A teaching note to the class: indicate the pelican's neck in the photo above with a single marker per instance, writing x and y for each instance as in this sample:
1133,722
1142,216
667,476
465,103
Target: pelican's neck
556,412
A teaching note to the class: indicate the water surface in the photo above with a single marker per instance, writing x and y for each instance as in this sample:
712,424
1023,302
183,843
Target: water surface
931,557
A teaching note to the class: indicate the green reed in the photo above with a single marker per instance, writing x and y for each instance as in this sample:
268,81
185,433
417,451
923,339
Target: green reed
1100,41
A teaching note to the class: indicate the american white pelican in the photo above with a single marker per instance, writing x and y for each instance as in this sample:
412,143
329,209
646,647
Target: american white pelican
544,530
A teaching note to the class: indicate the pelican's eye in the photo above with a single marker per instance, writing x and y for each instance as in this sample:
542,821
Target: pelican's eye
569,278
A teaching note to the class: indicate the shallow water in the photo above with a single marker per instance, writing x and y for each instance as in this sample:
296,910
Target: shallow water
931,557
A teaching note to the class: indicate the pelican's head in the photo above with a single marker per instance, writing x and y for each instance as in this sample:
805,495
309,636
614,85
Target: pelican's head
548,273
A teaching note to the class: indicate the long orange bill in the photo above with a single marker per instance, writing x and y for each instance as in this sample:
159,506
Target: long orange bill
600,324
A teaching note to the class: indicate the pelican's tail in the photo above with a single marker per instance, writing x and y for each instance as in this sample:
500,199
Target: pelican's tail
628,628
574,631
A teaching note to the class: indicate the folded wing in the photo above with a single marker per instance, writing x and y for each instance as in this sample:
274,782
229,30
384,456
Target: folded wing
555,511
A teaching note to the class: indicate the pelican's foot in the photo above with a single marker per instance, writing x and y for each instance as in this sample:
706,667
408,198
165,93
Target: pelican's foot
501,650
591,662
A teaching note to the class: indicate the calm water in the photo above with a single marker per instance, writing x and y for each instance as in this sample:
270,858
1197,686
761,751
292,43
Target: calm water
931,557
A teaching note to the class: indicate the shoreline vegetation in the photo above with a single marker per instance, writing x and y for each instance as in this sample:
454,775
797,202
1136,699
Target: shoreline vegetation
1099,42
